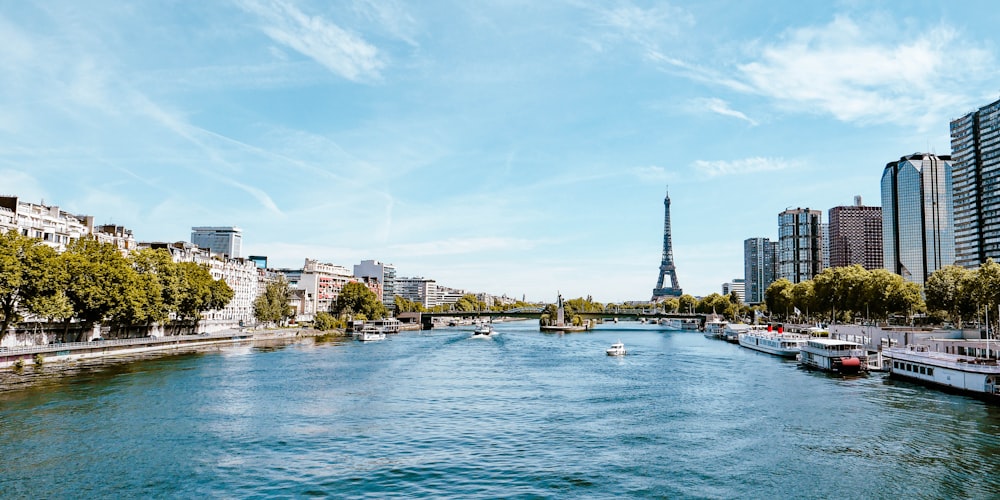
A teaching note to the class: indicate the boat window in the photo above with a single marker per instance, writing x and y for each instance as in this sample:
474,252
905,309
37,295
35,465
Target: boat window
930,371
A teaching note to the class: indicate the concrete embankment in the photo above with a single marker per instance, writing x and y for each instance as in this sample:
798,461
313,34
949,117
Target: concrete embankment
59,360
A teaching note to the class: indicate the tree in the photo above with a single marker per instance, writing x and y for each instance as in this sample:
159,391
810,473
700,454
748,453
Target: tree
272,306
671,304
949,289
101,284
324,321
404,305
28,279
686,303
803,296
357,298
778,297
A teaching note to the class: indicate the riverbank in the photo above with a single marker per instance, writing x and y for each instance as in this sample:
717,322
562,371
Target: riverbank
61,361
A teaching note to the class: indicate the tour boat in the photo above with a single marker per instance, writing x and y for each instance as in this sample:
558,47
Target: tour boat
616,349
786,345
483,331
369,333
965,374
715,329
679,323
834,355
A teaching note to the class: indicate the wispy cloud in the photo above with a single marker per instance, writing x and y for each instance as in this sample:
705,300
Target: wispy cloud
742,166
337,49
652,173
716,105
863,72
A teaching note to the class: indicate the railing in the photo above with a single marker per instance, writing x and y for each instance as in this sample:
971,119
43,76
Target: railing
63,346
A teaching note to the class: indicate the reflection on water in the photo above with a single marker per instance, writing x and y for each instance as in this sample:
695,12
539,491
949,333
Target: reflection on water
523,414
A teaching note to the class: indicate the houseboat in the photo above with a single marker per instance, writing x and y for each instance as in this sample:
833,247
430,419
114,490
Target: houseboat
786,345
955,372
834,355
715,329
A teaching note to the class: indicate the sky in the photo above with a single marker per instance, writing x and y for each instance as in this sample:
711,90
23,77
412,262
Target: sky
509,147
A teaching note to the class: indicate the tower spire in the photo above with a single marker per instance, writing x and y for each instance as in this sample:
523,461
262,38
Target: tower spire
667,261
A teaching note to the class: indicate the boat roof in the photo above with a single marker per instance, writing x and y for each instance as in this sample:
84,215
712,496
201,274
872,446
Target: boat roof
827,341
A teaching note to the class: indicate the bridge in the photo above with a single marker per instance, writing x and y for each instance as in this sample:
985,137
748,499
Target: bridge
427,318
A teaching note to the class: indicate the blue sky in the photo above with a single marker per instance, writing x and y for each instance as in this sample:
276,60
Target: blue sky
514,147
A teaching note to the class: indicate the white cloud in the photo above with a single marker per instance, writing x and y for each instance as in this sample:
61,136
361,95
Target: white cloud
337,49
651,173
742,166
857,72
716,105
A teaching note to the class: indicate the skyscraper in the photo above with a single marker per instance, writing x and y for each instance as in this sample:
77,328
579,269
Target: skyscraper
975,149
856,236
918,237
759,268
800,244
227,240
667,261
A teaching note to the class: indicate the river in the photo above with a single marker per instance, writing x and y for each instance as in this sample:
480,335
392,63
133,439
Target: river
525,414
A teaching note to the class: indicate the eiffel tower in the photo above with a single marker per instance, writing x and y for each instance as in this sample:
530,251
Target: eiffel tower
667,262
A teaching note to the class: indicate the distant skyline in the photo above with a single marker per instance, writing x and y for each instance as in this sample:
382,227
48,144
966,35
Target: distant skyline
507,147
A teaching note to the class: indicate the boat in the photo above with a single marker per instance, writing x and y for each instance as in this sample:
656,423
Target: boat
715,329
679,323
370,333
616,349
731,332
778,343
834,355
483,331
952,372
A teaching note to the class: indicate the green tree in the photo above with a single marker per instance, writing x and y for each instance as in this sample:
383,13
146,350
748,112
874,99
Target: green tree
101,285
803,296
356,298
27,277
778,297
272,307
404,305
324,321
671,305
686,303
950,289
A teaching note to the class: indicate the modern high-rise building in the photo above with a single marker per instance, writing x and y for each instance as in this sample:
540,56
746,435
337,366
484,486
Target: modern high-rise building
667,269
226,240
737,286
385,274
918,237
759,268
800,244
856,236
975,153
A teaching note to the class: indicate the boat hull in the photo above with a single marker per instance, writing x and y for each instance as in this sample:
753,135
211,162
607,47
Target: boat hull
948,372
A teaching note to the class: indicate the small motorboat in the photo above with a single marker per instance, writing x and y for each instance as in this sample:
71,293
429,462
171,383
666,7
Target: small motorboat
616,349
483,331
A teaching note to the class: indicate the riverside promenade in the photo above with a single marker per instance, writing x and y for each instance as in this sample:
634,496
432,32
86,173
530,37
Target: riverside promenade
66,353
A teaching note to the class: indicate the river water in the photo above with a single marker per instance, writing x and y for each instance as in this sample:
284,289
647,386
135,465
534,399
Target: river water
525,414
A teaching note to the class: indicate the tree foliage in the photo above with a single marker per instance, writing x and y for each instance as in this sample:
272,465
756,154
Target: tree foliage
403,305
357,299
950,289
272,307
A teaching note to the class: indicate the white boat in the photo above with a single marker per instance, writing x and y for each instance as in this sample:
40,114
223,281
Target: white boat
616,349
679,323
731,332
715,329
786,345
370,333
483,331
834,355
966,374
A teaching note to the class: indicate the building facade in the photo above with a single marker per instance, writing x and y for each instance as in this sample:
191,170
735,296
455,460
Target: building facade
760,267
57,228
240,274
855,236
800,244
224,240
918,235
737,286
385,274
975,166
322,283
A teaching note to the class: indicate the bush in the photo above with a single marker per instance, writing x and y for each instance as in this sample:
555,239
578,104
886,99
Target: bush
324,321
18,366
39,361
